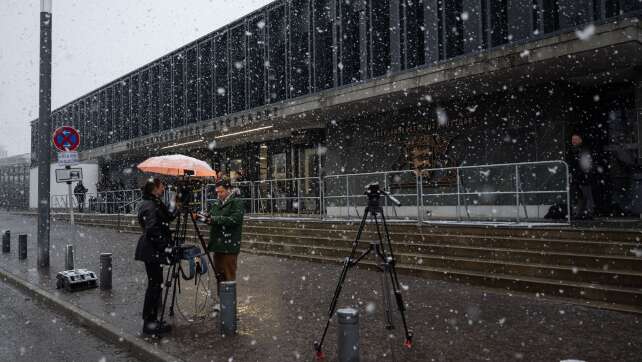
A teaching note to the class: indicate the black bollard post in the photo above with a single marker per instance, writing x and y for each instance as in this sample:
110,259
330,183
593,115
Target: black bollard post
69,257
227,317
6,242
105,271
22,246
348,335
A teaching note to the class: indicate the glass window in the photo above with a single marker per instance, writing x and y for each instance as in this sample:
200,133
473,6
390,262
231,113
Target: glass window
323,45
191,86
451,28
205,80
154,112
178,90
412,35
220,72
550,15
379,36
126,111
166,94
134,120
256,61
144,103
276,54
349,50
299,47
499,22
237,76
119,122
110,119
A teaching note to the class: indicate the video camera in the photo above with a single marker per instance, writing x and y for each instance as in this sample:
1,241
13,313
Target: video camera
374,192
185,188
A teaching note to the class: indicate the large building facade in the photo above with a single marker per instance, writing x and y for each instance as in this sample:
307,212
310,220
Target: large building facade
303,88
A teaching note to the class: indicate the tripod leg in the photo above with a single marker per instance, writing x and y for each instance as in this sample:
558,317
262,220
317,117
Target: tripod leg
394,280
168,284
177,281
337,292
203,245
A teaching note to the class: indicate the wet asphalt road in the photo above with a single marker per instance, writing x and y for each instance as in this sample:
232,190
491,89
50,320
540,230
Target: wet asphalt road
31,331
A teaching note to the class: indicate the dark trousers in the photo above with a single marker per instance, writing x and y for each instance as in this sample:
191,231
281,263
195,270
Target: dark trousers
583,205
154,291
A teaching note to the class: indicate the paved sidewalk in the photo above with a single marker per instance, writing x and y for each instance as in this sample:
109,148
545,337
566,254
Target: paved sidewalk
282,306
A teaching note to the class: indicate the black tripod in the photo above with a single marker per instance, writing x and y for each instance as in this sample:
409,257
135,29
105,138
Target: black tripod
175,269
387,265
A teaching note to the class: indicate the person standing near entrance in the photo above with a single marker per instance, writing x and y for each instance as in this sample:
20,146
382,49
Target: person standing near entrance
581,170
226,226
80,190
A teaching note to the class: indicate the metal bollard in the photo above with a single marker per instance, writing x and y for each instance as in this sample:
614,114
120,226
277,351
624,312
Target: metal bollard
69,257
348,334
227,318
6,242
22,246
105,271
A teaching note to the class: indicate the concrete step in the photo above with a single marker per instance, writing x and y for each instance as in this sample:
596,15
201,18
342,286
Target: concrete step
508,267
574,259
621,299
614,247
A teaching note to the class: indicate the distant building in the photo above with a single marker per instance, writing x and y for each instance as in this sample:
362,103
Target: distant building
303,89
14,182
3,152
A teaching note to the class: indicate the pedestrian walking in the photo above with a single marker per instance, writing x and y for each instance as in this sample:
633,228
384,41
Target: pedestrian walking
154,218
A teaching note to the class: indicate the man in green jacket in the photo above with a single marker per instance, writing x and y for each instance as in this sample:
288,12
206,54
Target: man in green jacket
226,226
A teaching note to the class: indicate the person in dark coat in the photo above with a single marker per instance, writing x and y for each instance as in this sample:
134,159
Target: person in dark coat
80,190
581,170
154,218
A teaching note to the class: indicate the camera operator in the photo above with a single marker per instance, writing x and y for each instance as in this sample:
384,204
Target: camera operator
154,218
226,225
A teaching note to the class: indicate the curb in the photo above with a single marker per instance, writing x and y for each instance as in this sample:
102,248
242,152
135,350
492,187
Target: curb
97,326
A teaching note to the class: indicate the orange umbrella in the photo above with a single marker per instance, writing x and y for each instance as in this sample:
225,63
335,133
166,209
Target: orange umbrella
176,165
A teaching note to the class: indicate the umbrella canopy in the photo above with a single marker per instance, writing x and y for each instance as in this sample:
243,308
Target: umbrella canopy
177,165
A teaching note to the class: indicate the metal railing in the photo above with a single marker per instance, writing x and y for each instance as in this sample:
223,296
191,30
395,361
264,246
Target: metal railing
512,191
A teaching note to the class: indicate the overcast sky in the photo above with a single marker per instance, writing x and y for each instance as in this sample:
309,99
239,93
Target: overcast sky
94,42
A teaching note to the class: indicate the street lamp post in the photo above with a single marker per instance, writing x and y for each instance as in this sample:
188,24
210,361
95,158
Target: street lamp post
44,130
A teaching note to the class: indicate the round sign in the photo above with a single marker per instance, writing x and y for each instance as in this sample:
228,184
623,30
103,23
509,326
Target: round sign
66,138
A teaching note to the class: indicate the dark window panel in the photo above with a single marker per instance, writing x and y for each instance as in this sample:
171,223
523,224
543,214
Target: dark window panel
166,94
178,91
256,61
155,99
299,47
349,65
220,72
125,123
451,28
550,15
276,54
134,119
191,86
93,119
413,34
119,128
144,103
237,76
499,22
574,12
205,80
378,20
323,45
110,120
99,127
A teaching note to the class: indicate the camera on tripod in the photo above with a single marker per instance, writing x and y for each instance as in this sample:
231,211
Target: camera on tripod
374,192
185,188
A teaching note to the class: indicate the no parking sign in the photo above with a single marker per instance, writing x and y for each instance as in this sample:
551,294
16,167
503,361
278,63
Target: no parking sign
66,139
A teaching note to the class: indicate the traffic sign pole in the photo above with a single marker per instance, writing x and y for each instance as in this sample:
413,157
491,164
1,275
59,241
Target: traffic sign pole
44,123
